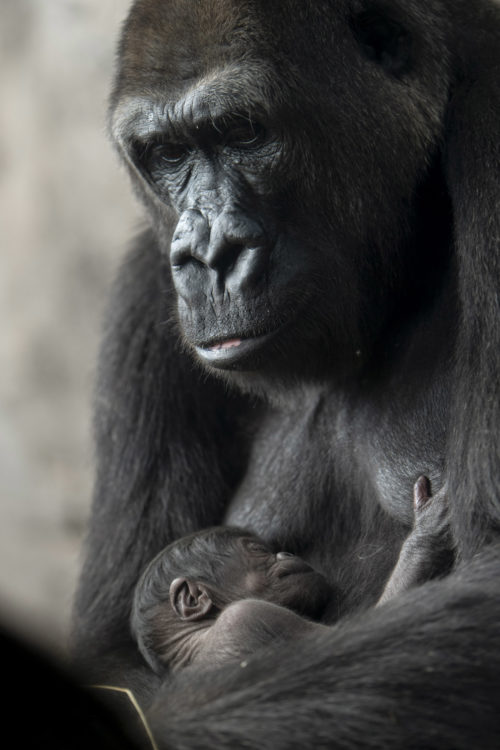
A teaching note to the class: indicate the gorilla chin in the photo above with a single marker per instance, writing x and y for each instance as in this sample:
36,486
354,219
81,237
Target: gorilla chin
247,334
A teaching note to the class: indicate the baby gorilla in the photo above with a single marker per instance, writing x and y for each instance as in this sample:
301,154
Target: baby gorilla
220,594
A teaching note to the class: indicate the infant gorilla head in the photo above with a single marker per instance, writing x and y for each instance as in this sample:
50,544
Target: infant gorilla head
176,617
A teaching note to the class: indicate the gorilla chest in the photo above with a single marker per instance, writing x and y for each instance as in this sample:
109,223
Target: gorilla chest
281,475
286,479
325,476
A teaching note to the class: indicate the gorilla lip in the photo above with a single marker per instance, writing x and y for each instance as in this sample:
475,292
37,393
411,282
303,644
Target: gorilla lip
228,344
228,351
294,565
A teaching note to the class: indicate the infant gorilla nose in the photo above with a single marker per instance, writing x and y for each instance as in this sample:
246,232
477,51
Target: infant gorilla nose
284,555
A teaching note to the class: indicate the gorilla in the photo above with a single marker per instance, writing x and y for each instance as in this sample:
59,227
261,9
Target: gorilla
221,594
310,322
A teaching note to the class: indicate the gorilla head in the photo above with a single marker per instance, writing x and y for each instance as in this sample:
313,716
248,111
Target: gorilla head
280,149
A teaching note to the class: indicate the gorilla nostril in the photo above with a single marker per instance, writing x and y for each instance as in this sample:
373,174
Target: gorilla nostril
196,262
228,260
190,239
231,254
182,254
179,253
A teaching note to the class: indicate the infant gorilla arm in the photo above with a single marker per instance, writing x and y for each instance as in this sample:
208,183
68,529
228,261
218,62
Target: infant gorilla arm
234,595
248,625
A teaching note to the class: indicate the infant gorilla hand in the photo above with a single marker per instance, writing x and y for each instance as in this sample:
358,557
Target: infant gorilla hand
428,551
248,625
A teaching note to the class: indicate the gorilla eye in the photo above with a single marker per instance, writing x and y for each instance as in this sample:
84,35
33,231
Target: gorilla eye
156,156
257,547
246,135
170,154
383,40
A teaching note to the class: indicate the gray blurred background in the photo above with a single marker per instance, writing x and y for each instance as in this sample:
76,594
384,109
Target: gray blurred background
66,218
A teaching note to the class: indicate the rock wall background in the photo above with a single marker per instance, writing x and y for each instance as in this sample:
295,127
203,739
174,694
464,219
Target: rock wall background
66,217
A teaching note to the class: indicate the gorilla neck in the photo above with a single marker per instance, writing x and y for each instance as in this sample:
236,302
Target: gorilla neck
414,334
404,351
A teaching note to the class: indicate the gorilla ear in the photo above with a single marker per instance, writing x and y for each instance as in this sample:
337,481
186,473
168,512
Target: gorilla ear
190,599
472,168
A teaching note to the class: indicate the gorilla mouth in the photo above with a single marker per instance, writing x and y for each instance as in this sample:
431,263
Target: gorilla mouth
293,566
228,344
227,353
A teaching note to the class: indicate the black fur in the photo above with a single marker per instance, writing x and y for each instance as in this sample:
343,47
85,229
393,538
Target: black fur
336,170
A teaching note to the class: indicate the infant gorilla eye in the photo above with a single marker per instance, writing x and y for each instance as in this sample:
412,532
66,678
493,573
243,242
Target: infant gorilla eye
258,547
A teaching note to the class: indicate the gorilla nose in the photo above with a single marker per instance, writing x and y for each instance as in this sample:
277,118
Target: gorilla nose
235,249
284,555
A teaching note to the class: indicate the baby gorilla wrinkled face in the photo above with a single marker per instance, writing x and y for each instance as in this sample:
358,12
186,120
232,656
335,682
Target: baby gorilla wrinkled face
255,571
221,592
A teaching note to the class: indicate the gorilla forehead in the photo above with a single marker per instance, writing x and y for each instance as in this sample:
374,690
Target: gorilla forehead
212,56
179,40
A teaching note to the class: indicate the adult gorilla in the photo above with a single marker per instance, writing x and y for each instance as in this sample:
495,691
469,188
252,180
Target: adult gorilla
311,322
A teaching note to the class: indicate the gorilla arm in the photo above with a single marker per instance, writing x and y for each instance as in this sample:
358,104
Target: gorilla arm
146,494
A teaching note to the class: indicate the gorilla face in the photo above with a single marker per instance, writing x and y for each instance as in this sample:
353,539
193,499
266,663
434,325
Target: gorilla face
238,268
262,149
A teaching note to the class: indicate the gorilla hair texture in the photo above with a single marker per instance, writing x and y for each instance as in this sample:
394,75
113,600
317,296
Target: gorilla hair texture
309,324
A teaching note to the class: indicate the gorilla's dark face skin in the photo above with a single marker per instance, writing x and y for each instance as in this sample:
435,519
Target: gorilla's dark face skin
229,152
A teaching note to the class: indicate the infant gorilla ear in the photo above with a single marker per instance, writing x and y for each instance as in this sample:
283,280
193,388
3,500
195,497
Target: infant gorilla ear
190,599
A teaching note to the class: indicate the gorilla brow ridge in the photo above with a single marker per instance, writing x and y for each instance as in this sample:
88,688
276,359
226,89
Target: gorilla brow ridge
211,99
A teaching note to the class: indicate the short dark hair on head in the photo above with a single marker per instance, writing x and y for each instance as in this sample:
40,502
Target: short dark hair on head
200,556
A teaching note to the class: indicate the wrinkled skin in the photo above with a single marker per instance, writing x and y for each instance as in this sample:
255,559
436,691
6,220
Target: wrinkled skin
310,323
282,578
